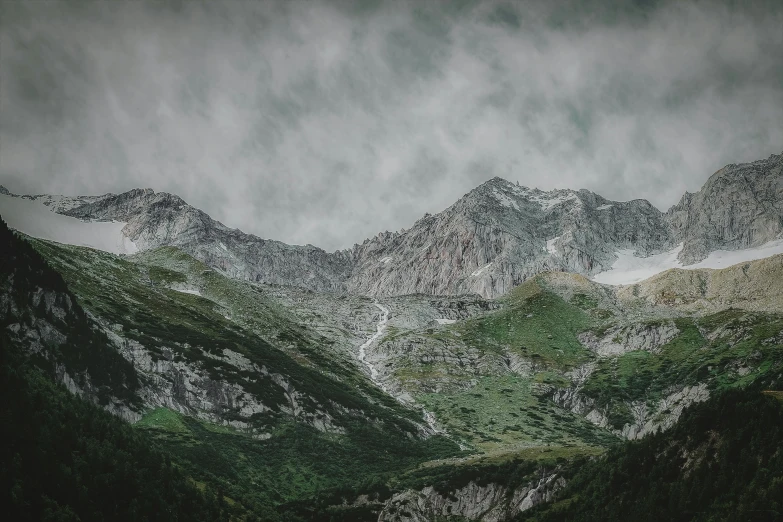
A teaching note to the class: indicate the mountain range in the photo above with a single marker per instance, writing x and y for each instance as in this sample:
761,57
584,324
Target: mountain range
480,365
492,239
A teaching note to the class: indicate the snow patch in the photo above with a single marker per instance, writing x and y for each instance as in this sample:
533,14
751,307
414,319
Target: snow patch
190,291
386,259
480,270
547,200
36,218
604,207
550,245
504,200
630,269
726,258
446,321
224,247
60,204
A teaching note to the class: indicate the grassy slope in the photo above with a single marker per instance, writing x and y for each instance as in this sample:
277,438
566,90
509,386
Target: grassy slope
39,301
243,302
728,350
510,416
506,416
535,323
64,458
507,412
739,344
296,464
495,410
120,292
297,461
503,414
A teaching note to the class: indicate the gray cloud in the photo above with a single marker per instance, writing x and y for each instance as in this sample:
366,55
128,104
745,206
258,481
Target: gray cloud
327,122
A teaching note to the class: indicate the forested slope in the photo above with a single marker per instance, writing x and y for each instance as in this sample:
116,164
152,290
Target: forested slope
64,459
722,461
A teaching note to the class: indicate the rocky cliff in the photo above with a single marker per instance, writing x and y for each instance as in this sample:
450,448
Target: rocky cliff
499,234
492,239
41,316
161,219
740,206
487,502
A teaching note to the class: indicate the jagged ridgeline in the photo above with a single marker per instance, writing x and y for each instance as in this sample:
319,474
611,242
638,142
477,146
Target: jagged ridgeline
489,241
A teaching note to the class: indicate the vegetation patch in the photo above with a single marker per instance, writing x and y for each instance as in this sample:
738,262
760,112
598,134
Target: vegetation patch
294,464
503,412
721,461
536,324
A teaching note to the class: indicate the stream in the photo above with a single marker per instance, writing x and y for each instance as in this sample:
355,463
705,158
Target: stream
363,348
429,417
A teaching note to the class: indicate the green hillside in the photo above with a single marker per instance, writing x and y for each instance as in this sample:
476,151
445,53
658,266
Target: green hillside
256,474
722,461
253,398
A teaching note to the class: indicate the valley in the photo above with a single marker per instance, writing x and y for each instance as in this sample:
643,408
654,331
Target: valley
467,368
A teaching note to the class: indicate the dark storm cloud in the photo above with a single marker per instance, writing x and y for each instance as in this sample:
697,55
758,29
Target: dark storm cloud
326,122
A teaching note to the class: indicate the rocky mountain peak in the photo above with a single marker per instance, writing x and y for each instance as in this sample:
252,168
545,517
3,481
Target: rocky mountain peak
740,206
491,239
498,196
499,234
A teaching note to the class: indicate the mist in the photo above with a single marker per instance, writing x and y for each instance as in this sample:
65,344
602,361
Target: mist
327,122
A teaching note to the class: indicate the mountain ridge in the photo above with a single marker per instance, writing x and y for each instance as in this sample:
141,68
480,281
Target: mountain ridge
491,239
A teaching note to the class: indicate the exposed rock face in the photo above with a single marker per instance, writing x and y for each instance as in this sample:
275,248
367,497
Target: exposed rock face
432,366
647,418
754,286
185,387
40,334
488,503
665,414
492,239
43,320
740,206
175,383
498,235
640,336
164,219
489,241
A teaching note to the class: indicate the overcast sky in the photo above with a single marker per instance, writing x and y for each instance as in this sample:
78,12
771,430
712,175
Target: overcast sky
327,122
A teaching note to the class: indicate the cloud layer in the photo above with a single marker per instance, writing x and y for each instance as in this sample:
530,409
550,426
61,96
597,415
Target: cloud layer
328,122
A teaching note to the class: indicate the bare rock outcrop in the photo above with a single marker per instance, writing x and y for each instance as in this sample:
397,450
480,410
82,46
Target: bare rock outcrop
488,502
492,239
648,337
500,234
754,286
740,206
161,219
